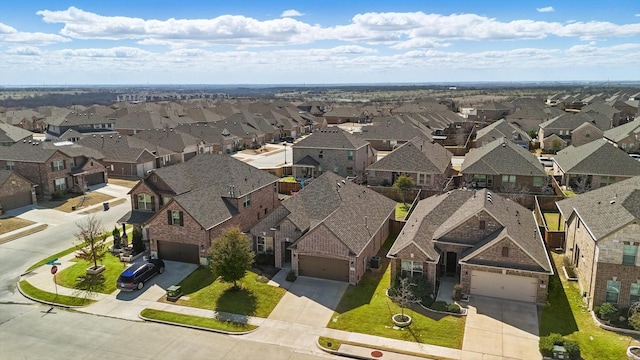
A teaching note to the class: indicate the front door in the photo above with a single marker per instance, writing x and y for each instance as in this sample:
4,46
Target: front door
452,263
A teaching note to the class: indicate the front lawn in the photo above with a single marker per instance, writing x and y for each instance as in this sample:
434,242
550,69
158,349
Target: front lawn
13,223
254,298
366,309
203,322
69,276
566,314
36,293
402,210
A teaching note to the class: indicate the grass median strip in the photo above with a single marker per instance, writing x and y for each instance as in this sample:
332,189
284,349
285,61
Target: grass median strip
46,296
334,345
203,322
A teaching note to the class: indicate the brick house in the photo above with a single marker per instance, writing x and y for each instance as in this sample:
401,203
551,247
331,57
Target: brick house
593,165
564,124
389,132
10,134
124,156
170,146
585,133
427,163
330,229
182,208
488,242
504,166
54,167
626,137
332,149
15,191
502,129
84,122
602,234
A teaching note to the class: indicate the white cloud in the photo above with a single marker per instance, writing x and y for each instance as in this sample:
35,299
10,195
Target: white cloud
116,52
25,50
11,35
291,13
545,9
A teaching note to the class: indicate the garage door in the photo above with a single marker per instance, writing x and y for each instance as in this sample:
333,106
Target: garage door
169,250
323,268
504,286
16,200
94,179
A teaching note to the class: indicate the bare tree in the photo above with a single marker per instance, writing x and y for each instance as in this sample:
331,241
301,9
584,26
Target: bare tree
92,247
547,186
442,183
403,295
515,192
581,184
467,180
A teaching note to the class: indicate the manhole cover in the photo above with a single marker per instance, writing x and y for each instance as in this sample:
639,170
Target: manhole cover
376,354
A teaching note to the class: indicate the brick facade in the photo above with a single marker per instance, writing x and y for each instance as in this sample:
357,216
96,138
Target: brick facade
14,185
336,160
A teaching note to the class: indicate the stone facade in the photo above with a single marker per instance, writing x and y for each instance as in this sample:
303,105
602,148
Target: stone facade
13,186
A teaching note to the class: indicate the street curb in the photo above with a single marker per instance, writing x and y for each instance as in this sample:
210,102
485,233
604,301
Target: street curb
27,232
339,353
48,302
197,327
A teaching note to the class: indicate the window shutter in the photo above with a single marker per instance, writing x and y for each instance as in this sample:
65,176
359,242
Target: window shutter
169,216
153,203
52,168
135,202
64,164
181,219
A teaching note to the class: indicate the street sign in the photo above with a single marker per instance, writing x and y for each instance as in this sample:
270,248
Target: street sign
52,261
54,269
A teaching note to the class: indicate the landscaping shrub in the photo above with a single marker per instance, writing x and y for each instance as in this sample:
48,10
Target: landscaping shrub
427,301
57,195
547,343
634,321
439,306
608,312
136,241
117,240
457,292
453,308
291,276
265,259
573,349
422,289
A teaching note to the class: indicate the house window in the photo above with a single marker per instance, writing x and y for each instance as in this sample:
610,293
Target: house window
72,162
10,165
508,179
246,202
350,155
60,184
483,225
634,292
145,202
320,153
57,165
613,290
505,251
607,180
629,254
260,245
538,181
372,173
411,268
175,217
349,171
422,179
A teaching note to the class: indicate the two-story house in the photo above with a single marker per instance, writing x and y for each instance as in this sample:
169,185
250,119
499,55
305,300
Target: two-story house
10,134
502,129
332,149
183,208
602,234
84,123
488,242
626,136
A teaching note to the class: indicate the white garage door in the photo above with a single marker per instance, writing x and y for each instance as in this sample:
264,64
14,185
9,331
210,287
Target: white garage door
504,286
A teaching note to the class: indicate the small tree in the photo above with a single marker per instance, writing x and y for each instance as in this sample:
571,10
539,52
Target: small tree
404,184
231,256
442,183
92,247
117,240
581,184
136,240
403,295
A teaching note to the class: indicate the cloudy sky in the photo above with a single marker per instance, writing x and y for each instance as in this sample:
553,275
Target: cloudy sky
316,42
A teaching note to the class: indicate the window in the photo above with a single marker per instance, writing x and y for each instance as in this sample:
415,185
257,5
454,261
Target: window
145,202
349,171
10,165
634,291
538,181
607,180
350,155
411,268
264,244
60,184
422,179
505,251
372,173
320,153
508,179
57,165
613,290
72,162
483,225
629,254
260,245
175,217
246,202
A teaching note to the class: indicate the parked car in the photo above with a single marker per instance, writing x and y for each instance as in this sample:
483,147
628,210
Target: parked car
546,161
136,275
288,139
635,156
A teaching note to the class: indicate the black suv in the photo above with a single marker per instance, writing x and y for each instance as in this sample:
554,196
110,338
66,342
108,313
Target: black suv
135,275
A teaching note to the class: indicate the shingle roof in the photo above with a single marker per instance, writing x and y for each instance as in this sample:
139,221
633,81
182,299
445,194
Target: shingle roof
501,157
596,158
26,151
502,128
10,133
206,206
331,138
606,209
352,212
390,128
118,148
620,132
176,141
417,155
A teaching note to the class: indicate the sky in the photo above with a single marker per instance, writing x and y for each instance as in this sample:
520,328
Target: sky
49,42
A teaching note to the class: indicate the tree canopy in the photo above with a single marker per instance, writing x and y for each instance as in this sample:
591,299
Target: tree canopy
404,184
231,256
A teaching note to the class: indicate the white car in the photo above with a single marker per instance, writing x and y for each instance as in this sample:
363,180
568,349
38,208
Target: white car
635,156
546,161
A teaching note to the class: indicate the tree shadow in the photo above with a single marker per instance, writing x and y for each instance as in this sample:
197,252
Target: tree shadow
237,301
198,280
557,315
89,285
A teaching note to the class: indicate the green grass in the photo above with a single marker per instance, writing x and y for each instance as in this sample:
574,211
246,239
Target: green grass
329,343
289,179
254,298
401,211
566,314
568,193
552,220
36,293
69,276
366,309
208,323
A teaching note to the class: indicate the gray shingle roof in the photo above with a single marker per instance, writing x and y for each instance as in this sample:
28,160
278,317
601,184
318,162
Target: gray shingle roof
606,209
501,157
502,128
206,206
176,141
118,148
352,212
10,133
27,151
596,158
620,132
390,128
418,155
331,138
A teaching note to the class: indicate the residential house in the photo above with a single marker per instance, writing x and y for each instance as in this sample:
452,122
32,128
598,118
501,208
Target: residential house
86,123
564,124
593,165
342,114
387,133
123,156
585,133
504,166
216,140
179,146
491,244
427,163
10,134
183,208
491,112
15,191
602,239
332,149
502,129
626,136
330,229
27,119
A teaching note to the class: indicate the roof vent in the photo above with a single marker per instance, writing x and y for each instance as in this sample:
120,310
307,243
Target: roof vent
490,197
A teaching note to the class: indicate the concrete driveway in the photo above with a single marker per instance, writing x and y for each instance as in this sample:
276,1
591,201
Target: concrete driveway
500,329
309,301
